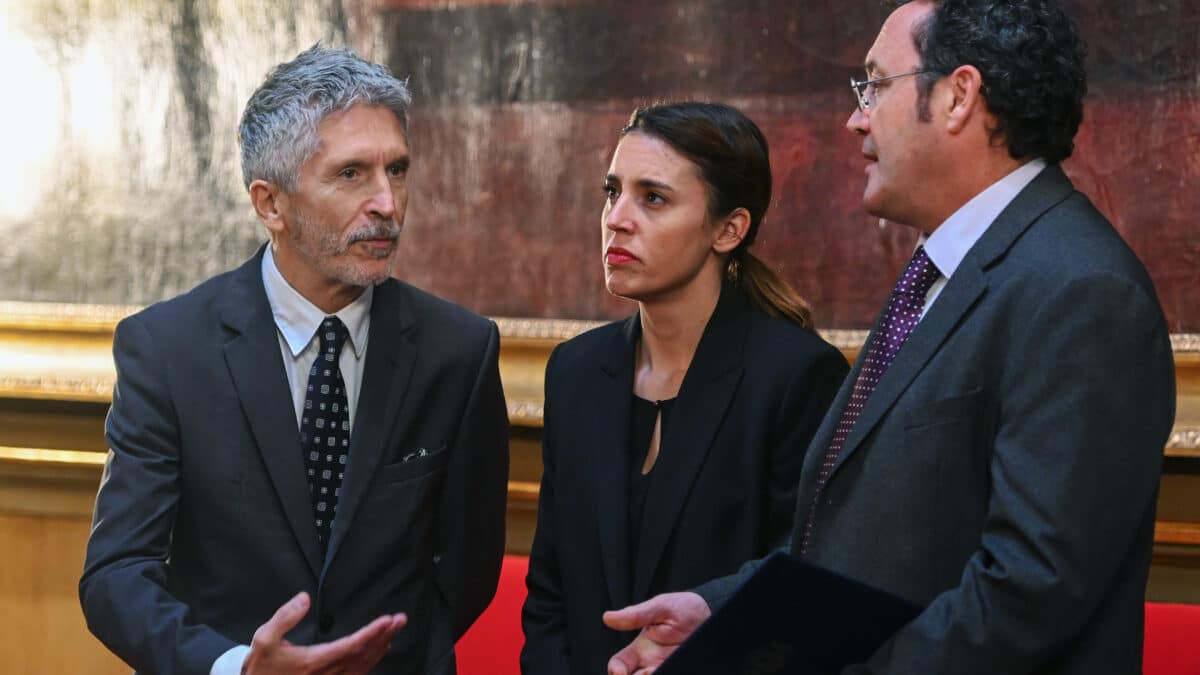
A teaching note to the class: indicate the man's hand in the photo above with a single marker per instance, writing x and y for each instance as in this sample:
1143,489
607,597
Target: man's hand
351,655
665,620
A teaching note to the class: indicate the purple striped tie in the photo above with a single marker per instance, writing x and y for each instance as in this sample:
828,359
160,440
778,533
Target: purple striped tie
899,319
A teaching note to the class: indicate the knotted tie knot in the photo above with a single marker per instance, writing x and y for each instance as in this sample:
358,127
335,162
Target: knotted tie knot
918,276
332,334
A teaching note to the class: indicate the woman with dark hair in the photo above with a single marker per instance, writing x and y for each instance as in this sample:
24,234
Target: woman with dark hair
673,440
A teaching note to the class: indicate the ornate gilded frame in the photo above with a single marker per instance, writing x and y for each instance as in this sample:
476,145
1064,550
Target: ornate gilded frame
62,352
59,354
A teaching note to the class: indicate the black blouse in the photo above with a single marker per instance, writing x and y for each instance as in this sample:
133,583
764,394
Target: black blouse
641,430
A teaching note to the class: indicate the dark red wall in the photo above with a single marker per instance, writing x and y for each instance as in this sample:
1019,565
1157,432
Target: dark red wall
518,106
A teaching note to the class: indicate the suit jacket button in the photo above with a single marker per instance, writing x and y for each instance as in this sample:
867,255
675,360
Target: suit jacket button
325,623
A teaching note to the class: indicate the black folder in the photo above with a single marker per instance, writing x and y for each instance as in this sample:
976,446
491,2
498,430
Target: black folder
795,618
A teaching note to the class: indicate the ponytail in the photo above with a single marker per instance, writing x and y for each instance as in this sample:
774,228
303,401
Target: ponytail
731,154
766,290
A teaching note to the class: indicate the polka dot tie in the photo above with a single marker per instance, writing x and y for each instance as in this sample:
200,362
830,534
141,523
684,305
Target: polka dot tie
325,427
900,317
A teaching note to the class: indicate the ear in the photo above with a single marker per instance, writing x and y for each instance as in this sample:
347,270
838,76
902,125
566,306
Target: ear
270,203
732,231
966,98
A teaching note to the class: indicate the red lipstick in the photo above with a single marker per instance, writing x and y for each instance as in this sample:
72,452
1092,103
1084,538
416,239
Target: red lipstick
615,255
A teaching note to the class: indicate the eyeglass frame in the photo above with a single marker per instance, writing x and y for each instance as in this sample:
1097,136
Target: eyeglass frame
859,88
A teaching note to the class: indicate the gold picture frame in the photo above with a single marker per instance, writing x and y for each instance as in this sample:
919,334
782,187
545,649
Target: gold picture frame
63,352
57,376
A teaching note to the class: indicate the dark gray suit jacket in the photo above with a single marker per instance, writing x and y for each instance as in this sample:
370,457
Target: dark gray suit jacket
1004,472
203,524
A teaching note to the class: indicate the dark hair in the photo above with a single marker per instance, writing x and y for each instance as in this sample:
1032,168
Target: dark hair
1031,58
731,154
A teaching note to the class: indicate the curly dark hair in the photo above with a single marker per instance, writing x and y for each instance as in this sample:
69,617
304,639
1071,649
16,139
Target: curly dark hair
1031,58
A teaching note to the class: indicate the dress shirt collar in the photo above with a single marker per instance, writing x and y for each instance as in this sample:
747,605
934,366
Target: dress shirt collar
949,243
298,319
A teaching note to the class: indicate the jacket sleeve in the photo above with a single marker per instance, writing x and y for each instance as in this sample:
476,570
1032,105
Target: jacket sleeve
123,590
543,617
1086,407
471,514
811,389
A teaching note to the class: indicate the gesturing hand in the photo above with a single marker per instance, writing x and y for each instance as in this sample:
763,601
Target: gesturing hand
350,655
665,621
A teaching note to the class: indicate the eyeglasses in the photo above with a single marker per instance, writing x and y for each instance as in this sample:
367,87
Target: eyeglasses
864,92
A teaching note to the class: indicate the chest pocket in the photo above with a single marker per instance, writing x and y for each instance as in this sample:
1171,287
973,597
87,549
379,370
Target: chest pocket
412,464
958,408
950,440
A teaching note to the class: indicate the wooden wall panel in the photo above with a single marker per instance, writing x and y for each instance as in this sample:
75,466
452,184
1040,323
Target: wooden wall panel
41,628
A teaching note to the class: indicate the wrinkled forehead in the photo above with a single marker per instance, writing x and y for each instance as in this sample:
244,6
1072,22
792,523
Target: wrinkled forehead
360,132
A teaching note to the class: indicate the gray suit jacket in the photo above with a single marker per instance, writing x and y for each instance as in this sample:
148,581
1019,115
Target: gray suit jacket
203,525
1004,472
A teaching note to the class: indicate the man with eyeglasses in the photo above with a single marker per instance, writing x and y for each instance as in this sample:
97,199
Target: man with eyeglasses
995,453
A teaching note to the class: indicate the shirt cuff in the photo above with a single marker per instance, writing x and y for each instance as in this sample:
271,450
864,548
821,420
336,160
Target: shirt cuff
230,663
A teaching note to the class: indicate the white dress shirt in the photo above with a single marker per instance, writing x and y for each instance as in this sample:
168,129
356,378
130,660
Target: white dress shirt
949,243
297,321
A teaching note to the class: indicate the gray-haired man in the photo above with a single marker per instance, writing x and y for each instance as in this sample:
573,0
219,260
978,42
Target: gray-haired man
306,455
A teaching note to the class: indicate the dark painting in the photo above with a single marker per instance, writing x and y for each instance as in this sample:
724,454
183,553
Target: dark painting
120,182
518,106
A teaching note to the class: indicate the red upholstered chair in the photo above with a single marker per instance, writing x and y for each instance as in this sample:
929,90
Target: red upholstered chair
1172,639
492,646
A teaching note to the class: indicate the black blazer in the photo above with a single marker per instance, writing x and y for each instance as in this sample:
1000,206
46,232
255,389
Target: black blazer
723,488
203,524
1004,471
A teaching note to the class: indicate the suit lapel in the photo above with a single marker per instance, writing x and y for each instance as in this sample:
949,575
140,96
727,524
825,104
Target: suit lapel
815,454
961,293
389,364
704,395
955,300
605,430
256,367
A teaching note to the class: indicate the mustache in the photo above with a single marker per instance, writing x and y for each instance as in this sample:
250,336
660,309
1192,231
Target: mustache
380,229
